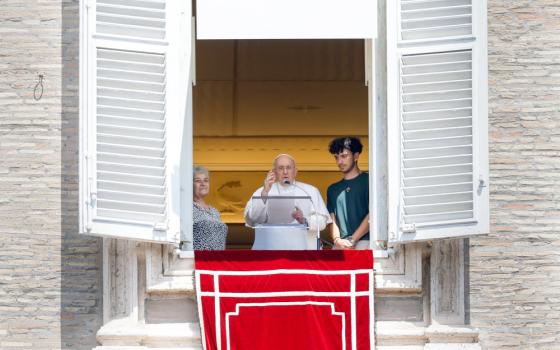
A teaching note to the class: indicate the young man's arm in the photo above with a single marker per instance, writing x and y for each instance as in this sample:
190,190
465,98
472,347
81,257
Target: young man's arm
361,230
339,243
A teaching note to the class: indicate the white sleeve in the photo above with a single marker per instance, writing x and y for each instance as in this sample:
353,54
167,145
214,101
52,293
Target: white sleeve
316,221
320,218
255,210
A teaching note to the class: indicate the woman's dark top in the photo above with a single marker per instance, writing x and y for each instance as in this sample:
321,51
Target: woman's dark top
209,232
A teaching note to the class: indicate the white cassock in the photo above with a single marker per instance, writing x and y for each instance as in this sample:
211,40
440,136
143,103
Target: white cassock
286,238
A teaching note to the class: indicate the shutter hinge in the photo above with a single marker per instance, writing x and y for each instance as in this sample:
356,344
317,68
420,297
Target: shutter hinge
408,228
193,50
481,182
481,185
93,197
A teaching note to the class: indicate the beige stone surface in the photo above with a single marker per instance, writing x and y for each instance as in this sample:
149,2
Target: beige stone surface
49,277
514,278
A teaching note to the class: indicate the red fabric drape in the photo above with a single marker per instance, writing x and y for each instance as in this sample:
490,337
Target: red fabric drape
312,300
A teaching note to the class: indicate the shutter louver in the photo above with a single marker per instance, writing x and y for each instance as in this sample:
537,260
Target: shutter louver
144,19
433,19
131,135
437,136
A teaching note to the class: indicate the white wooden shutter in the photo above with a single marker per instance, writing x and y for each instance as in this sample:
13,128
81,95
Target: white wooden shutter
437,112
134,74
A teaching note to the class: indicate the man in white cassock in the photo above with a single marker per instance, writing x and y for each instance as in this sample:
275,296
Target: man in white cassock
308,217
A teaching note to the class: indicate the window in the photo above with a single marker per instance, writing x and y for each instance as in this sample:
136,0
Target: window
136,70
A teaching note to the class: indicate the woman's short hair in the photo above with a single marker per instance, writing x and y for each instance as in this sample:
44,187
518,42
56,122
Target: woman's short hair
199,169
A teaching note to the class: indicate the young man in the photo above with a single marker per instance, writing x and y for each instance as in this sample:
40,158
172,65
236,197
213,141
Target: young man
348,199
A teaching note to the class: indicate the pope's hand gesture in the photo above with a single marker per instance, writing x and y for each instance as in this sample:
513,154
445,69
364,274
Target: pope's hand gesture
269,180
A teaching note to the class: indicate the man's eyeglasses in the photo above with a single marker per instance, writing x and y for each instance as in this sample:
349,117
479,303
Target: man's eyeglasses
282,168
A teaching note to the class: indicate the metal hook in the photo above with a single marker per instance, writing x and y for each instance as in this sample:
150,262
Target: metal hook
37,96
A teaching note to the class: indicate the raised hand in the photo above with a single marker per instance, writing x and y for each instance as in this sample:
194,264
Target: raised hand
269,180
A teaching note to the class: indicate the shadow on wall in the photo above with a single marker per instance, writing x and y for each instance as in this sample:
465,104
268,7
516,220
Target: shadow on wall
81,260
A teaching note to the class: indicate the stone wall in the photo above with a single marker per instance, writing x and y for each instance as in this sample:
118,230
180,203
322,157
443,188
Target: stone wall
50,278
515,271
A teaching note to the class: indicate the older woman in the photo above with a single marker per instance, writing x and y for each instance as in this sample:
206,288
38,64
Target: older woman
209,232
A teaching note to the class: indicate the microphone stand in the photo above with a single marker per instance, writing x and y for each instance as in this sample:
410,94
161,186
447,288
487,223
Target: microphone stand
318,235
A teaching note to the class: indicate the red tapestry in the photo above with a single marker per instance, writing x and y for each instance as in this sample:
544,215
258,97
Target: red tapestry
309,300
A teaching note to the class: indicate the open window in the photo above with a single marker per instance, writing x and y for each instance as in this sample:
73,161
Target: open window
134,101
437,119
257,98
266,85
136,107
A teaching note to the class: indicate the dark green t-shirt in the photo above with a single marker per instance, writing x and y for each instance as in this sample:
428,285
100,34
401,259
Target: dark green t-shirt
349,201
